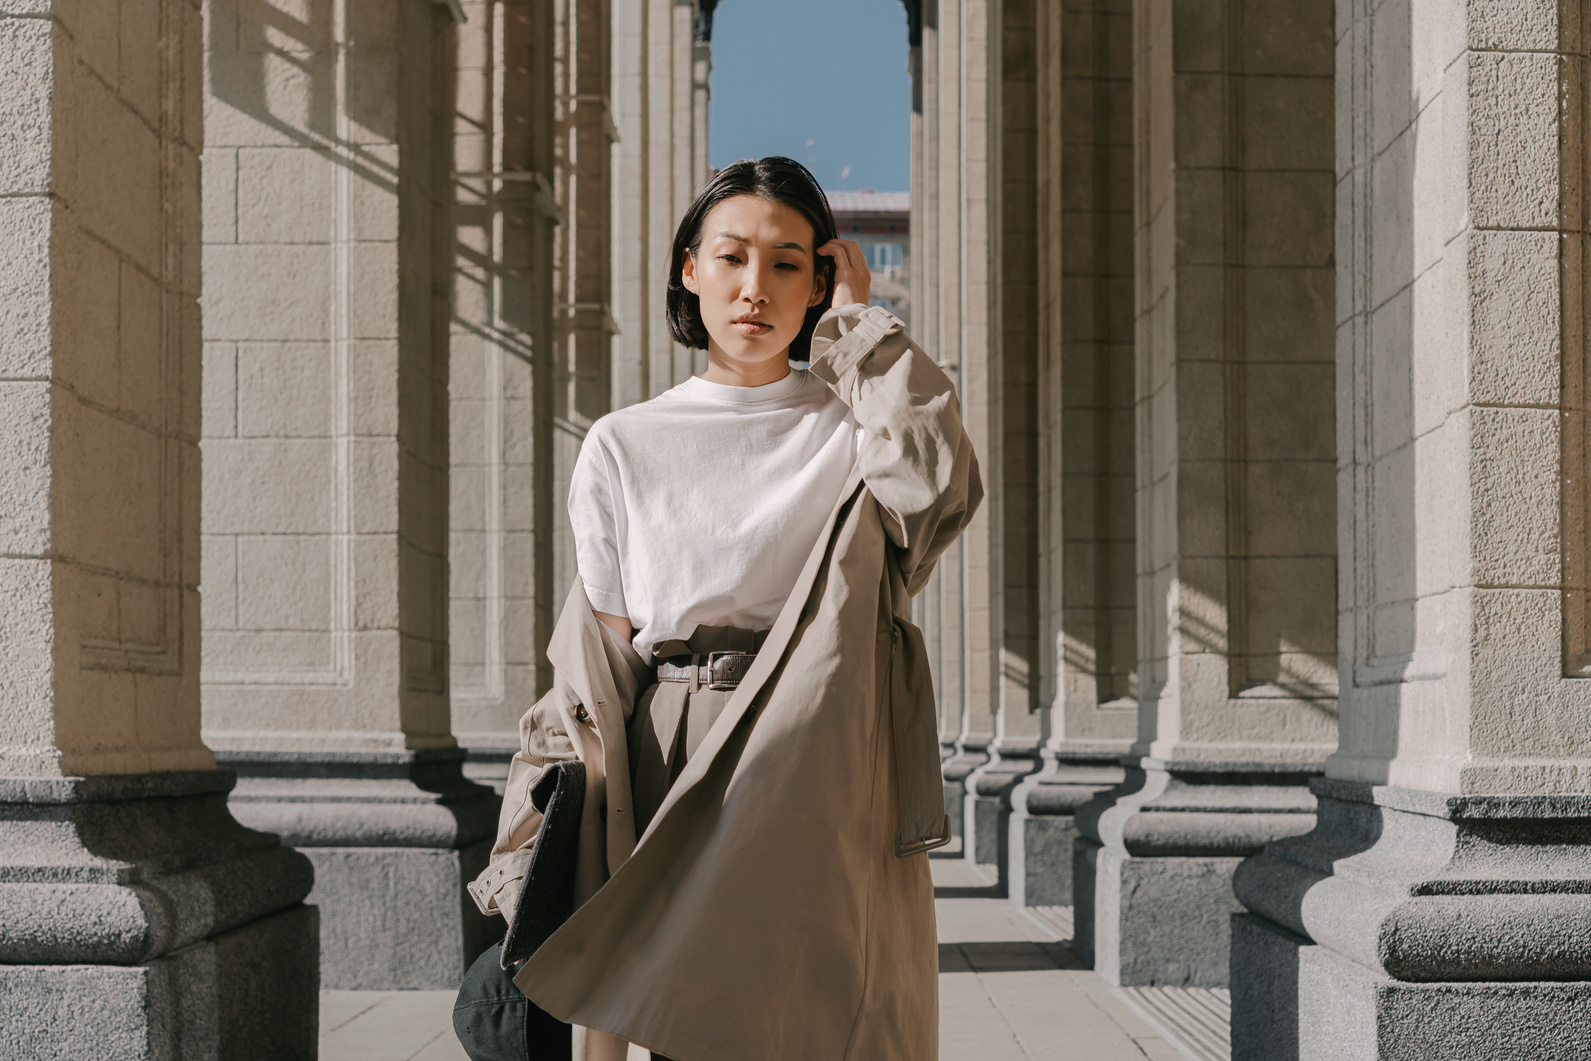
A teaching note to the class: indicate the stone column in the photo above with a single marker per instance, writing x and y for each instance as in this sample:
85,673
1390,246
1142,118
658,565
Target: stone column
1236,560
654,177
1440,907
327,265
503,386
939,604
999,75
137,918
1088,643
944,285
583,328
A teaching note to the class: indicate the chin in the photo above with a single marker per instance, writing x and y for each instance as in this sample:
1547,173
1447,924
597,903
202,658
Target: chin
753,351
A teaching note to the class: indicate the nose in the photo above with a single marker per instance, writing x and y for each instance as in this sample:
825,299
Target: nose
755,287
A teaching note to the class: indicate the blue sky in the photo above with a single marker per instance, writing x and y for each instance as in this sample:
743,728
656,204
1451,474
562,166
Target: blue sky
829,71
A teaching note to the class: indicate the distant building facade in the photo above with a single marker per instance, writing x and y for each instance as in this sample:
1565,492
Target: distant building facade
881,223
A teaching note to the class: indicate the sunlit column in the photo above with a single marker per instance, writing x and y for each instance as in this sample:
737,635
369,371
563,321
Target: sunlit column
1236,498
1086,655
140,920
1439,909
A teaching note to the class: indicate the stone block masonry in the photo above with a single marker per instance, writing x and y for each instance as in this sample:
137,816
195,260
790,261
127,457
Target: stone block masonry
327,269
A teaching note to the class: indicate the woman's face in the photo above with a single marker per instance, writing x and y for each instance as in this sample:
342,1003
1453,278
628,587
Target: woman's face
756,276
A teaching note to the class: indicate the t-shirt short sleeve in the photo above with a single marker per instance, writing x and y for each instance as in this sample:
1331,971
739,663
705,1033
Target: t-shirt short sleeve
594,516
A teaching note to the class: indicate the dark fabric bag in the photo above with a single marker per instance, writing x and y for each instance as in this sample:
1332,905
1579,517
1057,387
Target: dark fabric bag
496,1022
547,894
492,1018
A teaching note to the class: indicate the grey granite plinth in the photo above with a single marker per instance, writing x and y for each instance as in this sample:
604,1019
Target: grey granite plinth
139,920
1154,858
1042,830
986,808
1416,925
394,838
966,758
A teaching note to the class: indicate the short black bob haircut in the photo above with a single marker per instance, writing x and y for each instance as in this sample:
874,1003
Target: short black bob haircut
778,180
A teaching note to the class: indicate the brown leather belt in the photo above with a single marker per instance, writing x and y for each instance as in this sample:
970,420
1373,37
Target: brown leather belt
711,670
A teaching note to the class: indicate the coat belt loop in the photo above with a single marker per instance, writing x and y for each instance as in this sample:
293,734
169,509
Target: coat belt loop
696,672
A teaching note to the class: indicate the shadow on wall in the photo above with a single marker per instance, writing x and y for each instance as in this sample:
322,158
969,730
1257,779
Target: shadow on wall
277,61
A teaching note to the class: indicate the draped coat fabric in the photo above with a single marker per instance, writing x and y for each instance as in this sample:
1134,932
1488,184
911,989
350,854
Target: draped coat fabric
777,907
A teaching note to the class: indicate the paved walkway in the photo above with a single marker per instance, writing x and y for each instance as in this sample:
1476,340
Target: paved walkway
1009,990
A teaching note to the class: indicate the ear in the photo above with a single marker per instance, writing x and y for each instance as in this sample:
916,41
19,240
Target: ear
687,273
820,288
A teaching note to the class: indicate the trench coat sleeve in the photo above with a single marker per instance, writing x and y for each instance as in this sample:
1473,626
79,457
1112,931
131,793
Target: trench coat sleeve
543,739
915,457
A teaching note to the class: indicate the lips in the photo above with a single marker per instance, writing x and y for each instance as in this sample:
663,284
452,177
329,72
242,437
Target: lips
751,325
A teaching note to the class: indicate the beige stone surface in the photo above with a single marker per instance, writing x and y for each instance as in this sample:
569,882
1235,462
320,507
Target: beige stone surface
502,335
1087,584
99,390
326,445
1235,421
1460,352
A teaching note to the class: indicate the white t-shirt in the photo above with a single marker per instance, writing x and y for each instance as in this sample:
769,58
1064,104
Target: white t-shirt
699,507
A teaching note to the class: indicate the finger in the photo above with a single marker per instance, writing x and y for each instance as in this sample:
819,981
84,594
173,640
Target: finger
835,250
854,256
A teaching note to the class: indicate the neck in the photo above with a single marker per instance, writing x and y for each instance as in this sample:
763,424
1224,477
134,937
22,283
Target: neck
722,370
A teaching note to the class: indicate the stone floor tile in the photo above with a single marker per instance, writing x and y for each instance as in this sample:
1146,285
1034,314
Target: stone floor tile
1008,991
339,1007
396,1029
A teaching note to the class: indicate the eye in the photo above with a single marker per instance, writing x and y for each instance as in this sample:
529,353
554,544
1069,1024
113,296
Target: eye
788,265
730,258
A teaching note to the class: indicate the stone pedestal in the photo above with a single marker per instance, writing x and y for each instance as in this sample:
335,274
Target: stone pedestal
139,920
1042,829
966,758
1414,925
1154,861
986,808
393,837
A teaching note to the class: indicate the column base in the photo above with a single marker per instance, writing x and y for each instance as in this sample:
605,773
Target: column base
139,920
1042,829
1411,925
955,768
1154,860
986,808
1297,1001
394,838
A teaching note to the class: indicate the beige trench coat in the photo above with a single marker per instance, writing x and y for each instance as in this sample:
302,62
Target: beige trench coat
774,908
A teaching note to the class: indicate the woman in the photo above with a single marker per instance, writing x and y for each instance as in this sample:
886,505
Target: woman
736,669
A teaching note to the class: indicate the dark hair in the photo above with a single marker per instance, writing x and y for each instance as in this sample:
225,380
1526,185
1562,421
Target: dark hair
778,180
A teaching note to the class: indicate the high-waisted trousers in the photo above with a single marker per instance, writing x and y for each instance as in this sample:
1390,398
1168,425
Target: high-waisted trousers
667,727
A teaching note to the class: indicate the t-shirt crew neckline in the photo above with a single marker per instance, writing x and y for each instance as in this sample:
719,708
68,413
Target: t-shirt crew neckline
778,390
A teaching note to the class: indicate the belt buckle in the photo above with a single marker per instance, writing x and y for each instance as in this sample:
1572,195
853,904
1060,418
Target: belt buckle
734,671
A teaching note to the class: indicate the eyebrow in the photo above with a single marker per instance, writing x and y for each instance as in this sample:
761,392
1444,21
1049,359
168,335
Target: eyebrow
777,246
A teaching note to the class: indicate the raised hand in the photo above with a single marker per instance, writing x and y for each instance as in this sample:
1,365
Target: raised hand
851,278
